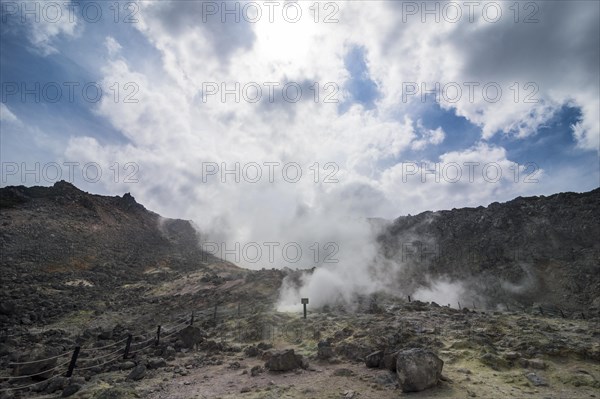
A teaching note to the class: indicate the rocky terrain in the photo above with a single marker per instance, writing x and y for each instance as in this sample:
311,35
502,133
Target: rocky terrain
95,272
523,253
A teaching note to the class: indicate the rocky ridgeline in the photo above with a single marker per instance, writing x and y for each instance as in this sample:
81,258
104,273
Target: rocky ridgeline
64,250
528,251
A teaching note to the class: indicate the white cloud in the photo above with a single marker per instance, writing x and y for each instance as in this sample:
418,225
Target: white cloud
49,21
558,56
173,133
6,114
428,136
112,46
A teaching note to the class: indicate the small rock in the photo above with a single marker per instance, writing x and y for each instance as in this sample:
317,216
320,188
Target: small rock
252,351
324,350
137,373
536,380
157,362
105,334
537,364
374,359
170,352
70,390
56,384
493,361
343,373
349,395
128,365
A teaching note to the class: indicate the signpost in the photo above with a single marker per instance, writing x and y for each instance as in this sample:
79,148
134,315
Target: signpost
304,303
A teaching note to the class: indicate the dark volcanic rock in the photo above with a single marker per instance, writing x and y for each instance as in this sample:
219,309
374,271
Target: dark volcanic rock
137,373
389,361
191,336
324,350
534,249
418,369
70,390
284,360
374,359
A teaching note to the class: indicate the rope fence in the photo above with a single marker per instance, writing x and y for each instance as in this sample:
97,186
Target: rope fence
126,350
107,346
39,361
130,346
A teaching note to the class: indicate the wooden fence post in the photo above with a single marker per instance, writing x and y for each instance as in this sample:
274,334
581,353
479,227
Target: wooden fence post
127,346
73,361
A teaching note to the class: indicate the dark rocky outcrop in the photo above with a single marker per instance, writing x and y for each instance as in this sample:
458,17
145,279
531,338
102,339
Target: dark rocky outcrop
534,249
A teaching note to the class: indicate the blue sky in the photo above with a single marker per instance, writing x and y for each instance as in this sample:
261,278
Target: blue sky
170,51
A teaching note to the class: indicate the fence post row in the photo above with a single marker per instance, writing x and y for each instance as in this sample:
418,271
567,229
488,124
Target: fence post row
76,351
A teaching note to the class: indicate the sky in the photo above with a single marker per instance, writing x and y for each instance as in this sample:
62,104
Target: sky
296,121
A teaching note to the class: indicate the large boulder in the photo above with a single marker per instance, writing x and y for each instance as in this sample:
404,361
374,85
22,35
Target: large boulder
191,336
284,360
418,369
